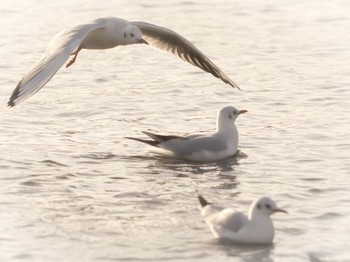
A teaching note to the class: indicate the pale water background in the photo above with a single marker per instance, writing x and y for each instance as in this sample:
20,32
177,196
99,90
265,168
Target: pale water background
73,189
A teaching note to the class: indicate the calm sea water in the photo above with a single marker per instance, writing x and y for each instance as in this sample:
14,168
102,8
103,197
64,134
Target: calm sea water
74,189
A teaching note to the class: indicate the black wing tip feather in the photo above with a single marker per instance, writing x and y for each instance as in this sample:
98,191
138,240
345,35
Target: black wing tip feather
151,135
194,57
202,201
14,95
162,138
10,103
233,85
149,142
208,66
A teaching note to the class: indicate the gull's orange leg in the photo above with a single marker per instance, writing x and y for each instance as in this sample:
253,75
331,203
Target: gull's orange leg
75,53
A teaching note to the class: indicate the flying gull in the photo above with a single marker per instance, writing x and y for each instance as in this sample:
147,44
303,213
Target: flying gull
104,33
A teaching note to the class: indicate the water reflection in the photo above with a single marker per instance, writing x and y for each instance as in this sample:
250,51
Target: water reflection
212,175
66,170
186,167
249,253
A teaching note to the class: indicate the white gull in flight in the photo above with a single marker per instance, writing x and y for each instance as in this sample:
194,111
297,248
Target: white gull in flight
230,224
104,33
217,146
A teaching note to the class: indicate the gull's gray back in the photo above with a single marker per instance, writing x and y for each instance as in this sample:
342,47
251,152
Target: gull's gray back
181,147
232,220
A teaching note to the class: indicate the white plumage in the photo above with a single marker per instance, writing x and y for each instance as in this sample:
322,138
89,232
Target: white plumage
104,33
227,223
219,145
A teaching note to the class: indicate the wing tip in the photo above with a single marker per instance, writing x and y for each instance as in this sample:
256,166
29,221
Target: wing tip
10,104
15,94
236,86
147,133
149,142
153,136
228,81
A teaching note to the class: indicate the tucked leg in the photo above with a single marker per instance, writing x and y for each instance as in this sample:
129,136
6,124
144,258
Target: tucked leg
75,53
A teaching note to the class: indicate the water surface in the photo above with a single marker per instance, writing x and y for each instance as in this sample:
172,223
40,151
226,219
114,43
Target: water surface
73,189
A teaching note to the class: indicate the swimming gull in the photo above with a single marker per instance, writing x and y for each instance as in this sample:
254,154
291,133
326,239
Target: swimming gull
104,33
219,145
230,224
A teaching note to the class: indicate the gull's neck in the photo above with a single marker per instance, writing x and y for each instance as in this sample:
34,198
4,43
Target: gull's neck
223,125
228,130
263,226
260,218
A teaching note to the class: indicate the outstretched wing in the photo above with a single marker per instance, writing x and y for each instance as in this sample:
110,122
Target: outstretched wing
56,54
170,41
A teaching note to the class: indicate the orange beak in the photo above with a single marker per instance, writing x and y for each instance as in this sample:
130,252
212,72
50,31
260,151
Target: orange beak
142,41
280,210
242,111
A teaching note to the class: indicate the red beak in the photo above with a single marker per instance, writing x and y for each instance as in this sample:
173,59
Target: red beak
280,210
242,111
142,41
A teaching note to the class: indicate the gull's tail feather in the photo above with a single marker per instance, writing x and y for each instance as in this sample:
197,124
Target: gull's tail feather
202,201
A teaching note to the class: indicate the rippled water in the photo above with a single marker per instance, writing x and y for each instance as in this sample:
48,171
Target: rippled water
73,189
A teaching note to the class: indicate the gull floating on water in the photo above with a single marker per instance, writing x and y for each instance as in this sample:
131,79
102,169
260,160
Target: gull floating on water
227,223
220,145
104,33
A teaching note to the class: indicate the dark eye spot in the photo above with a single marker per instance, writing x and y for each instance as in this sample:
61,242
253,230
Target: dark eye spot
132,35
234,112
259,206
268,206
124,34
229,116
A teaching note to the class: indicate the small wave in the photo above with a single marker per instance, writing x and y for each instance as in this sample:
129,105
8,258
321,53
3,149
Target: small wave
98,156
49,162
30,183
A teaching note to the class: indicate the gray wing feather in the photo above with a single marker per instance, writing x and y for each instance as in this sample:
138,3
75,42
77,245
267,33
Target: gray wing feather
228,219
233,220
56,54
162,138
170,41
157,139
196,144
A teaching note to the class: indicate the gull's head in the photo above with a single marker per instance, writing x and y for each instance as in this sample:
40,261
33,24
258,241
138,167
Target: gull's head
264,206
228,115
133,35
